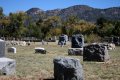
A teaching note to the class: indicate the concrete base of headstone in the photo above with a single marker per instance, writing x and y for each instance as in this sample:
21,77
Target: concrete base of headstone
12,50
7,66
40,50
95,52
67,69
75,51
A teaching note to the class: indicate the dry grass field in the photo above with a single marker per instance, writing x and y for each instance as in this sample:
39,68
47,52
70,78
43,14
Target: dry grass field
31,66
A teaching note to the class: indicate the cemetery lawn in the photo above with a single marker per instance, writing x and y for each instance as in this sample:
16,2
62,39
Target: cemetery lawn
31,66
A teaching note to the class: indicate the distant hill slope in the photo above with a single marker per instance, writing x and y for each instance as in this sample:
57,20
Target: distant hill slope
81,11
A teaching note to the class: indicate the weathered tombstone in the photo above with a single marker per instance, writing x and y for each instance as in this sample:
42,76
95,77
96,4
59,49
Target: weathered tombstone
40,50
12,50
43,42
116,40
95,52
66,38
77,45
62,40
67,69
2,48
7,66
75,51
54,39
77,41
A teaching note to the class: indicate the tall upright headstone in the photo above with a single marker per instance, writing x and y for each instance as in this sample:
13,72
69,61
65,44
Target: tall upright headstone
2,48
76,45
77,41
62,40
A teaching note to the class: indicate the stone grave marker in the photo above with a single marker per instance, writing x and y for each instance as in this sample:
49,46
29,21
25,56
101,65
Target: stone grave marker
7,66
2,48
77,44
62,40
40,50
77,41
12,50
66,68
95,52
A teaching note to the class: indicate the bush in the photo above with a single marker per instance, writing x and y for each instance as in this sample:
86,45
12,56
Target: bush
92,38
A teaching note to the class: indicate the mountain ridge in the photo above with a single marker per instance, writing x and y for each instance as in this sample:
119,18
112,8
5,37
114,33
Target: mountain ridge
81,11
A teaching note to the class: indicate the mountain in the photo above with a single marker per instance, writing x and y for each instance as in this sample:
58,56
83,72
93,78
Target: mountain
81,11
34,11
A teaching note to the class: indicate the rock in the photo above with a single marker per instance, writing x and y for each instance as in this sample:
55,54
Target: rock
7,66
2,48
12,50
77,41
75,51
67,69
40,50
95,52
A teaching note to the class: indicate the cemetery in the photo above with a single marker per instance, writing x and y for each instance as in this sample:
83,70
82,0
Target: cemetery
75,60
60,40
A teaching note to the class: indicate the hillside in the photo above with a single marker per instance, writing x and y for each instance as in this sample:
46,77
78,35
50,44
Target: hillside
81,11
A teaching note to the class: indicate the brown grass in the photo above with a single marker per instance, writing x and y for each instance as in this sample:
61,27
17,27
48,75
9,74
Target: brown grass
31,66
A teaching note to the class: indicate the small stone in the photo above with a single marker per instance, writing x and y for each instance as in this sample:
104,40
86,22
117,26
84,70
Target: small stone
12,50
40,50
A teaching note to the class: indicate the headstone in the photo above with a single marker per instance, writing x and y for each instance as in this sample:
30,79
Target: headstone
77,41
75,51
12,50
54,39
2,48
66,38
43,42
7,66
116,40
40,50
62,40
95,52
67,69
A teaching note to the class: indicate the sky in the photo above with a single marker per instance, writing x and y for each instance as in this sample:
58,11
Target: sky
23,5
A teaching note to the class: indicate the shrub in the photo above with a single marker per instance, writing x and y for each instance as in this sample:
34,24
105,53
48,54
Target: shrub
92,38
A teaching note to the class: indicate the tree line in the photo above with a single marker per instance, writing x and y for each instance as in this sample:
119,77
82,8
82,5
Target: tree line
19,25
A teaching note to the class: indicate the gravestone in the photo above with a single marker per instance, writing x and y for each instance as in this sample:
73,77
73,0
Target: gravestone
62,40
7,66
67,69
77,41
66,38
54,39
2,48
75,51
40,50
95,52
116,40
12,50
77,45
